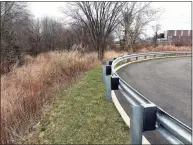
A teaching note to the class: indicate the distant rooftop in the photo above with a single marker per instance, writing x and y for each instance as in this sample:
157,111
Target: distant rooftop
178,33
177,37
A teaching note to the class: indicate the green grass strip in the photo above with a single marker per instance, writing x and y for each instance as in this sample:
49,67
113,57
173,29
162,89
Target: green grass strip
81,115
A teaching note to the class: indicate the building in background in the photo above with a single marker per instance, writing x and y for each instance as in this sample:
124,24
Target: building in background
177,37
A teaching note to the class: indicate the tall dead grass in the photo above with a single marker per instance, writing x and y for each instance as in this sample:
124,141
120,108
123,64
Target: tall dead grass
26,89
113,54
165,48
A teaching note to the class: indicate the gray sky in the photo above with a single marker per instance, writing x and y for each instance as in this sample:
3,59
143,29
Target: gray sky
177,15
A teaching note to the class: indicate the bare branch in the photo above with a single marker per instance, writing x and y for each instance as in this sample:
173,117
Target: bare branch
100,19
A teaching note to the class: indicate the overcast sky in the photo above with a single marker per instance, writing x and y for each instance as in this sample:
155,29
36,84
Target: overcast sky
177,15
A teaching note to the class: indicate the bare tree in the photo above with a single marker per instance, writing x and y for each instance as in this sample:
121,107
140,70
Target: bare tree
118,33
15,21
81,33
54,34
99,19
136,16
35,37
156,29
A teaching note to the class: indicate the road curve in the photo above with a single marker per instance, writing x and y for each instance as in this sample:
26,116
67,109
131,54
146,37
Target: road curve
166,82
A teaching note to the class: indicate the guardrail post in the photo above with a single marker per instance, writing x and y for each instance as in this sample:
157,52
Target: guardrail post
108,87
109,62
136,58
107,80
128,60
136,123
103,73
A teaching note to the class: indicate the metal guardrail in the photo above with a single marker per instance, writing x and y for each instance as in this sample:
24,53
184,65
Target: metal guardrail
144,114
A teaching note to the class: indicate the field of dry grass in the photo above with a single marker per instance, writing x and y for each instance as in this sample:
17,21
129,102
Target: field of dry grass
164,48
26,89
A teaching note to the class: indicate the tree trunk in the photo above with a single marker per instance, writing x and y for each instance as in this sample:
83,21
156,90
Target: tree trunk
100,49
100,54
131,46
155,40
126,43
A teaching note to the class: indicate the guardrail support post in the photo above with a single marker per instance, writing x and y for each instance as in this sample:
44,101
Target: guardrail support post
103,73
136,123
107,80
108,88
109,62
128,60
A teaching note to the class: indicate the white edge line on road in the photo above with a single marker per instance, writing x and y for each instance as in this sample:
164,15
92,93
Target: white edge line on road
124,115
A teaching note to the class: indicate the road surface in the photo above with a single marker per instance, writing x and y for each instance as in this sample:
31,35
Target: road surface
165,82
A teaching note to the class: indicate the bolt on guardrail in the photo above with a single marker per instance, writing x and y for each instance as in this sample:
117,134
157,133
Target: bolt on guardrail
145,115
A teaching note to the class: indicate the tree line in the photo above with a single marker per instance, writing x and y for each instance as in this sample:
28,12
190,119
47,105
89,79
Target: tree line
94,26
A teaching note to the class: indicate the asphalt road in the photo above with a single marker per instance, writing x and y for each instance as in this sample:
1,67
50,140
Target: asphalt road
167,83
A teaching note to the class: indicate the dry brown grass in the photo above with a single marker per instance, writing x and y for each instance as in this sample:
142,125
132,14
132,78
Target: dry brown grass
113,54
26,89
164,48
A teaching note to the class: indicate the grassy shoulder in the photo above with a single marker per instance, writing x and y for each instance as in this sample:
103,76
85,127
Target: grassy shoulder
81,115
